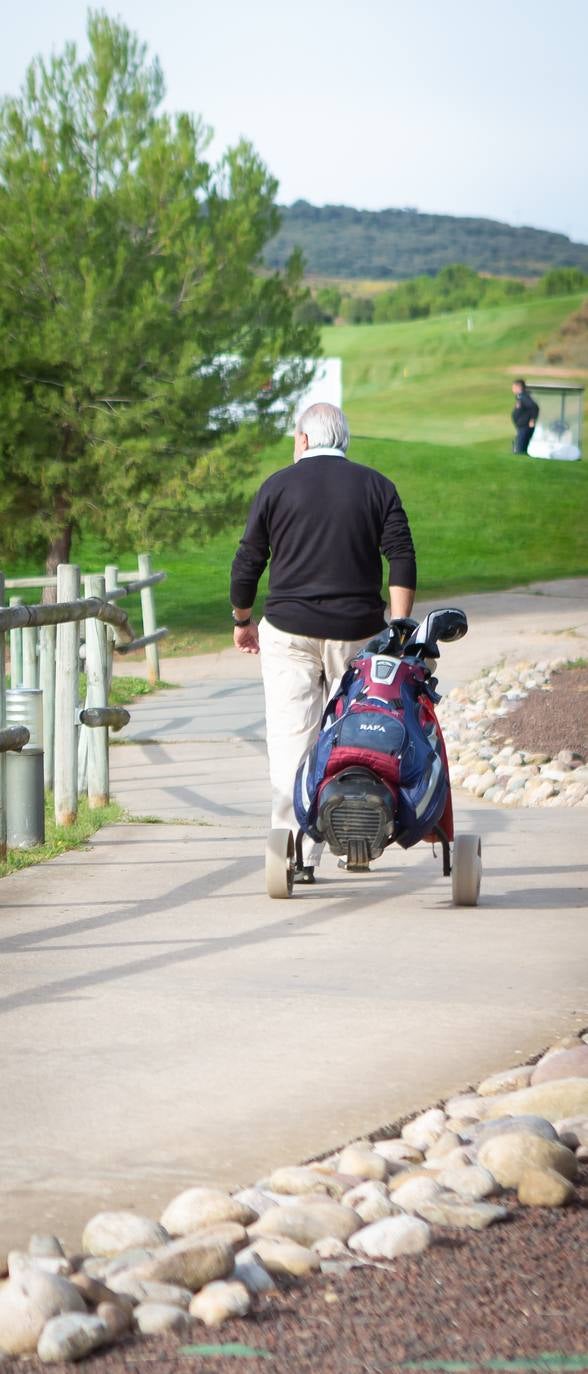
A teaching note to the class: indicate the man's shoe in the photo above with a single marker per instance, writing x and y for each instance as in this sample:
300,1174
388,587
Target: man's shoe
304,874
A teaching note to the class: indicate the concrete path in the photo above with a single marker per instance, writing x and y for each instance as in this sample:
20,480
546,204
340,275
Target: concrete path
165,1023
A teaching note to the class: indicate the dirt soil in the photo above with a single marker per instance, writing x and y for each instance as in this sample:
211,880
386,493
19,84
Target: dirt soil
549,721
510,1293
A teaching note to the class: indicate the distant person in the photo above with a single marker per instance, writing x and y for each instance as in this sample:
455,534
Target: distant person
524,416
323,522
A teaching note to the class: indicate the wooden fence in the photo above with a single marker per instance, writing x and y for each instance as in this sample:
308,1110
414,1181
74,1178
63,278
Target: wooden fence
46,649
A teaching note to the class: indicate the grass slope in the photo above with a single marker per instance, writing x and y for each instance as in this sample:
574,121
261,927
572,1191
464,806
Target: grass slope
432,401
435,379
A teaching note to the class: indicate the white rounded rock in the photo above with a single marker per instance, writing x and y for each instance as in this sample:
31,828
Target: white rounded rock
110,1233
152,1317
251,1272
362,1161
28,1300
410,1195
371,1201
391,1237
219,1301
425,1129
471,1182
198,1207
70,1336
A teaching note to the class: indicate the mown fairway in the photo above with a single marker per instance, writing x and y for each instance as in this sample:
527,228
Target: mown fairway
482,518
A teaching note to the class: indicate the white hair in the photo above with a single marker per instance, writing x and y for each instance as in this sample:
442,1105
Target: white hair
325,426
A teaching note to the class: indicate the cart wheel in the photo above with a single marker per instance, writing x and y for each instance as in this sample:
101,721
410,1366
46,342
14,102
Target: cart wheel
279,863
466,873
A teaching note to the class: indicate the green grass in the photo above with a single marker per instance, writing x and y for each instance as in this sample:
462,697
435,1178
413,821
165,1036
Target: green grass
429,405
60,838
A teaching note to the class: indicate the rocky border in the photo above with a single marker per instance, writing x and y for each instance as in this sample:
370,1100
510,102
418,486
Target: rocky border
506,776
524,1131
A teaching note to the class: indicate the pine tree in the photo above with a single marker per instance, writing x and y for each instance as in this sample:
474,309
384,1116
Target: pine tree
136,328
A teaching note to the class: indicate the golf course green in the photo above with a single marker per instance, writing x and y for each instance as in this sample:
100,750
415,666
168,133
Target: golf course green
429,404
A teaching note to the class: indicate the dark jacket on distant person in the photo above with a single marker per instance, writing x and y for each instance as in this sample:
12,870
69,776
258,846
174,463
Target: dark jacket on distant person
525,410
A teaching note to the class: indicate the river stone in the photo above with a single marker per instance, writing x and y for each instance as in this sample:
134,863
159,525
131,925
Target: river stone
362,1161
398,1152
415,1191
256,1199
70,1336
285,1257
116,1319
249,1271
197,1207
190,1262
441,1148
467,1105
108,1233
503,1125
329,1248
219,1301
306,1222
27,1301
225,1232
568,1063
391,1237
470,1182
151,1291
507,1156
370,1200
46,1247
506,1082
573,1131
448,1210
152,1317
544,1188
93,1291
425,1129
48,1264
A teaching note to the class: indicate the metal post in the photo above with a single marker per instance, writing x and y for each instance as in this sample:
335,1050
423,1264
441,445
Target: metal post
2,724
29,657
48,634
149,618
66,674
16,649
97,695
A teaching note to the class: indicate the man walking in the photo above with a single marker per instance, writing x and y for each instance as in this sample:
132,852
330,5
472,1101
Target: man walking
324,522
524,416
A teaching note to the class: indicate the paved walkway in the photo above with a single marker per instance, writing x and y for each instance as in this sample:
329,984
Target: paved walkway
165,1023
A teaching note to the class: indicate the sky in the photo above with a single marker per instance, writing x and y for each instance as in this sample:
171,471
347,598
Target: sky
464,107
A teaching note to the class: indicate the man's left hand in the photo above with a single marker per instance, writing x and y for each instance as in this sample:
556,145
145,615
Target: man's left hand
246,639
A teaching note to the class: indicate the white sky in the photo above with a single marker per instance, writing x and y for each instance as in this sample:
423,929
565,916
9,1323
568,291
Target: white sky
470,107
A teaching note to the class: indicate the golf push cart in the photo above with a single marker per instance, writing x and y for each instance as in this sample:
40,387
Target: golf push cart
378,774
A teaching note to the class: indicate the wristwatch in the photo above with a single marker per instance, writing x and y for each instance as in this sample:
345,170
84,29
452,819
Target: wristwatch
240,623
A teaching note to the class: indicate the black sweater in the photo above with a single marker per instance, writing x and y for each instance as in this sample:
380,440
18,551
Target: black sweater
324,521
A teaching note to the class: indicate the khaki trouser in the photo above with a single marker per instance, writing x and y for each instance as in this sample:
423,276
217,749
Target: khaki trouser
298,677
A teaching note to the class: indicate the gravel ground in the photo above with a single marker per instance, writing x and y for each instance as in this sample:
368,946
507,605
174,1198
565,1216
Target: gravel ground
512,1292
551,721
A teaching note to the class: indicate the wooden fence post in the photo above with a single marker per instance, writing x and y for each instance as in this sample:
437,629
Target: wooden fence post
97,695
111,583
149,618
47,637
2,724
67,677
30,677
16,649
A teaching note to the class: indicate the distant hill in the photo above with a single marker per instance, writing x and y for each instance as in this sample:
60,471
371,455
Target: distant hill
390,244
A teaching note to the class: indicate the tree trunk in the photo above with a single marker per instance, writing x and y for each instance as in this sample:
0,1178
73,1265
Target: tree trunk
59,551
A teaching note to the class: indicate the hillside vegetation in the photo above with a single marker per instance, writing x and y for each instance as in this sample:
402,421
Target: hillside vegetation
340,241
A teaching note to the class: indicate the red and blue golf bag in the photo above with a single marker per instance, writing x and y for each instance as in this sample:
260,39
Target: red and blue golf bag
378,772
